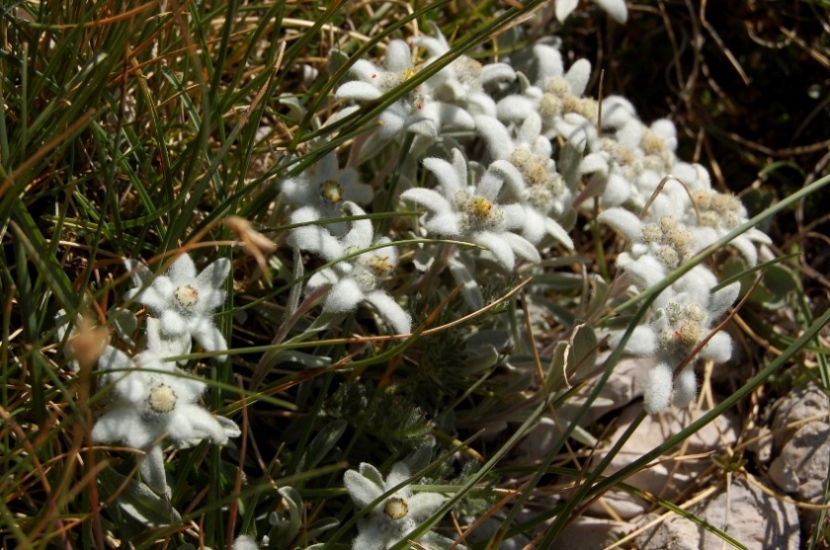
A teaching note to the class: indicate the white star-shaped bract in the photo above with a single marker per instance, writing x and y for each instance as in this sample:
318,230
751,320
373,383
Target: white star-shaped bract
393,518
417,111
462,82
182,300
525,163
325,186
471,212
356,279
153,399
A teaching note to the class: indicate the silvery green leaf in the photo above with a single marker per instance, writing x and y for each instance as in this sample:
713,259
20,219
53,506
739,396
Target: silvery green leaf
524,83
480,358
583,436
419,458
570,159
307,360
555,378
581,352
321,445
137,500
296,112
321,526
336,60
287,523
125,324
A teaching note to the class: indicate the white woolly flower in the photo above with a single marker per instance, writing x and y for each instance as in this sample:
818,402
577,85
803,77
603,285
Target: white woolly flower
417,111
717,214
153,399
472,212
325,186
666,240
393,518
182,300
684,315
462,82
357,279
556,98
530,174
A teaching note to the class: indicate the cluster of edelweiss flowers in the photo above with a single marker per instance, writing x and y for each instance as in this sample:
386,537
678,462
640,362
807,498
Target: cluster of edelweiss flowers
516,202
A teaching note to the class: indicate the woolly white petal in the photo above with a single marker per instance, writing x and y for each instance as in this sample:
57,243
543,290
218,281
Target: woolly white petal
615,8
123,423
746,248
390,311
361,231
370,538
422,505
720,301
210,337
514,108
495,72
362,490
559,233
658,389
522,247
643,341
496,135
549,59
182,270
564,8
489,186
173,323
646,271
215,274
343,297
432,200
624,222
398,57
446,224
498,246
469,286
446,174
191,423
398,474
512,177
685,387
244,542
578,75
718,348
357,90
316,240
452,115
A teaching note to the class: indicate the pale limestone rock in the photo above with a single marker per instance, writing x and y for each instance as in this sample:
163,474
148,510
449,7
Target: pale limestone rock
802,464
758,521
665,477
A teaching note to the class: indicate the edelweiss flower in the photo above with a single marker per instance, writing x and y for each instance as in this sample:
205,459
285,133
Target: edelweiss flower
392,519
149,405
530,174
471,212
417,111
358,279
556,98
717,214
182,300
684,315
462,82
325,186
